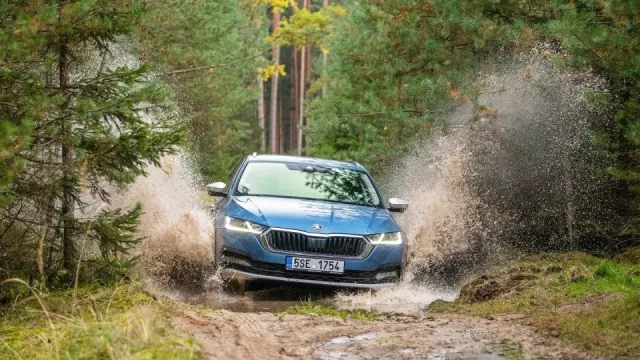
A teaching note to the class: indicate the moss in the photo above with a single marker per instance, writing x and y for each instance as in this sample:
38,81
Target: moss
592,302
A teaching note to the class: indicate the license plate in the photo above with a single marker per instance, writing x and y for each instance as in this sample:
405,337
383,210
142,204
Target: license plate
319,265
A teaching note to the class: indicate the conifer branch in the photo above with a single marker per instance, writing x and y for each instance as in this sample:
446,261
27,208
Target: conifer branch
200,68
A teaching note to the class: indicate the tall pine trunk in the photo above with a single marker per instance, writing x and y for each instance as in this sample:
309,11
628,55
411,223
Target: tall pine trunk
261,114
304,65
293,124
68,200
273,111
303,54
325,58
280,127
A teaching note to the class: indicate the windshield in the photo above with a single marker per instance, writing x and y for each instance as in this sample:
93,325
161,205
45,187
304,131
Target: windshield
307,181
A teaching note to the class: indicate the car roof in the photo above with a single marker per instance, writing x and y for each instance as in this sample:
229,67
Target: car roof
307,160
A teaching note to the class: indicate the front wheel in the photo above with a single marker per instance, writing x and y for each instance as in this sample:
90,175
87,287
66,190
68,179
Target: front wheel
217,260
217,254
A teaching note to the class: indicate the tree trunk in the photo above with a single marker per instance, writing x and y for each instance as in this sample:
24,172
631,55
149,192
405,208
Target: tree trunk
303,54
280,127
68,201
273,113
303,74
294,100
263,143
325,58
309,65
261,113
307,5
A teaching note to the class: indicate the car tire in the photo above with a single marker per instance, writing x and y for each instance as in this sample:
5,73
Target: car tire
217,255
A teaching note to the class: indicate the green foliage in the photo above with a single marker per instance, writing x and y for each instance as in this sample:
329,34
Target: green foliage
13,138
605,36
116,230
398,67
312,309
225,38
73,125
118,322
305,28
395,68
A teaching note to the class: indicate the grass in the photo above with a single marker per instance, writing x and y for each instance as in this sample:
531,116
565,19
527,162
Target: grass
506,349
121,322
309,308
591,302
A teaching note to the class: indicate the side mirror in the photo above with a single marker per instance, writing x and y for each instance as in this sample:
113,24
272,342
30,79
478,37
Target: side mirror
217,189
398,205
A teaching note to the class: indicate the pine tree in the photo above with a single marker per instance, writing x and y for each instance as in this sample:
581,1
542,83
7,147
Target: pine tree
393,64
89,127
273,107
305,30
605,36
210,52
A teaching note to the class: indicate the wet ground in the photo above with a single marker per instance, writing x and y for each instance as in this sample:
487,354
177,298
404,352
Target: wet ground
224,334
252,326
259,297
275,297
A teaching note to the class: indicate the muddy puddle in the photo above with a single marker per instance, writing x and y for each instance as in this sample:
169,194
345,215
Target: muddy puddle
257,297
275,297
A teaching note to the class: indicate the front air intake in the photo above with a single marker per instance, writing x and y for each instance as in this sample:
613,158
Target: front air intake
295,242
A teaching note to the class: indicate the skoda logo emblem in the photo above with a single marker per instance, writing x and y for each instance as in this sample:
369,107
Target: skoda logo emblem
317,227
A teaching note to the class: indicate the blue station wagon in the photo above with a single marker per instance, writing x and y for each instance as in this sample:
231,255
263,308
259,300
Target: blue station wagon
307,220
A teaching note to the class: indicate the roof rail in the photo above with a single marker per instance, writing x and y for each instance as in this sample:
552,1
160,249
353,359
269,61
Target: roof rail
355,163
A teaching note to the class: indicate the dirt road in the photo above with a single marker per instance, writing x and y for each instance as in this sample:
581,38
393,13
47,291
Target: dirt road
229,335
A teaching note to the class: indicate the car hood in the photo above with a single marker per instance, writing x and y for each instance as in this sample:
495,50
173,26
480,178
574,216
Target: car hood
299,214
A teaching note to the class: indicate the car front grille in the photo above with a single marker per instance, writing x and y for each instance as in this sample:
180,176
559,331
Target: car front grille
289,241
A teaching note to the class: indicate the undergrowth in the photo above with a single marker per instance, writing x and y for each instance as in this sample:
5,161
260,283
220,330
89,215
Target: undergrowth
589,301
118,322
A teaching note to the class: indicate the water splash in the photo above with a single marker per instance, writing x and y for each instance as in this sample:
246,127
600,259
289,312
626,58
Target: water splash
516,170
176,224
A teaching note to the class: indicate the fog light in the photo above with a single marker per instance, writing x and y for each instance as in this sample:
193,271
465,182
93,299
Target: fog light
384,275
237,261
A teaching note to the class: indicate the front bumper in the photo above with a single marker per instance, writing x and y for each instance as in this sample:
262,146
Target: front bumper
241,267
238,274
246,258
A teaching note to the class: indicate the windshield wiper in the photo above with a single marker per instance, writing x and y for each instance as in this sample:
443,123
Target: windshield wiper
315,169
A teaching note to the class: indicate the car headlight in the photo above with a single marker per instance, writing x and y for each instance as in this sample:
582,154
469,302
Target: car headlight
386,238
234,224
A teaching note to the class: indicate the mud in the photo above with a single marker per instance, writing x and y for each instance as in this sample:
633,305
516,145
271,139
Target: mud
229,335
407,299
256,297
